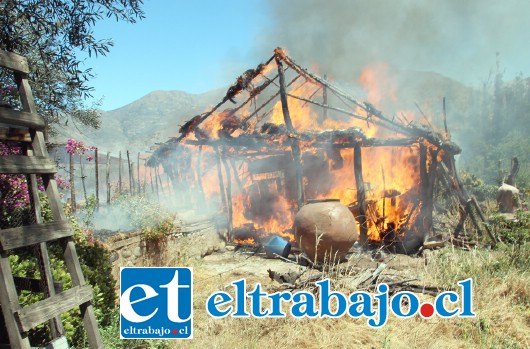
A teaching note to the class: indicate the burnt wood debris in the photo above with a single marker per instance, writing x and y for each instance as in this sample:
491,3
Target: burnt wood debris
245,133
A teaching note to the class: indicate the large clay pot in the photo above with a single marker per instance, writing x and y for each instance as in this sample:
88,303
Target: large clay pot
331,223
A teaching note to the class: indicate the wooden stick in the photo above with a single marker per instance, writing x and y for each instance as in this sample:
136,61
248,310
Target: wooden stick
108,178
324,101
130,174
145,177
424,182
139,189
384,196
228,194
72,184
159,177
357,116
82,176
483,218
199,176
151,180
97,177
255,112
424,116
295,147
431,177
361,196
461,221
221,182
473,218
156,183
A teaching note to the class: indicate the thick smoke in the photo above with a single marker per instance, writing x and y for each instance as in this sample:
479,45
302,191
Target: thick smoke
457,38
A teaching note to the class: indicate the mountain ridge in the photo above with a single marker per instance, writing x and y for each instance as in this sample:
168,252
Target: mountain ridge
158,115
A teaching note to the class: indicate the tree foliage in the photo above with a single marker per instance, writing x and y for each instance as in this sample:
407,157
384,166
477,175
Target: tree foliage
53,34
496,130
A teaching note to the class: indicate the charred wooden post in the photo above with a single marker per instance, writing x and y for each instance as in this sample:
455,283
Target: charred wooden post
445,119
255,112
130,174
72,183
460,226
228,194
424,182
158,179
361,195
108,178
427,190
139,189
97,177
295,147
172,182
202,199
83,177
325,102
145,177
483,218
220,177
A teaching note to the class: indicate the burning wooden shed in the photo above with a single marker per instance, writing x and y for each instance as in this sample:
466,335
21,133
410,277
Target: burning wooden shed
292,136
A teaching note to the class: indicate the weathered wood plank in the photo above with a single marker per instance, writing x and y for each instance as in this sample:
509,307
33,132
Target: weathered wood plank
37,313
16,164
87,310
33,234
22,119
14,62
9,301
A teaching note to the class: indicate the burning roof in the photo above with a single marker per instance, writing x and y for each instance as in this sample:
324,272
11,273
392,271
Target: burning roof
297,136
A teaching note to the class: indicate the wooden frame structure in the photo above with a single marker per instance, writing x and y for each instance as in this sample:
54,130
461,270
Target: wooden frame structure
35,163
240,135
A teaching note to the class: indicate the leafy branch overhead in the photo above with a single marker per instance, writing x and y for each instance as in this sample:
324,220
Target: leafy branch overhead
53,34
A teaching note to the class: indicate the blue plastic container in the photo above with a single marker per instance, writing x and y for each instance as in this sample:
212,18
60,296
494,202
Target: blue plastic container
277,246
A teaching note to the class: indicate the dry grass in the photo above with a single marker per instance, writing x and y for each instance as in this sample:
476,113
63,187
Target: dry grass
501,300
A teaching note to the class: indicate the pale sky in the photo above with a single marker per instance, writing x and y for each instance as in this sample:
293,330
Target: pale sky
194,46
200,45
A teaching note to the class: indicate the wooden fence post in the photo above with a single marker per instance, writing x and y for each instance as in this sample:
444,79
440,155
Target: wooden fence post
72,183
108,178
97,177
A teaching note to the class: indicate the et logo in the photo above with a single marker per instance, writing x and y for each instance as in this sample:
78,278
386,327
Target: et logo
156,303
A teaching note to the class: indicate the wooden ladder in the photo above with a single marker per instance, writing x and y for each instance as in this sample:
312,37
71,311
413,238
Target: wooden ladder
35,161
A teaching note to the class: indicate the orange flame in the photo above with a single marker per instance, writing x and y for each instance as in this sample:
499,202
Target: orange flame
391,174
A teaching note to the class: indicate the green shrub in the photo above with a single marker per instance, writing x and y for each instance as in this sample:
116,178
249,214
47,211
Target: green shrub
478,187
111,337
95,263
148,217
515,231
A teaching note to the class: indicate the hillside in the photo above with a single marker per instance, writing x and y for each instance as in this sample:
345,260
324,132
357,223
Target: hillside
138,125
157,116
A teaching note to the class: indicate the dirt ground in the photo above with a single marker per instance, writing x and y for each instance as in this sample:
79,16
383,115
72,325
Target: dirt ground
501,324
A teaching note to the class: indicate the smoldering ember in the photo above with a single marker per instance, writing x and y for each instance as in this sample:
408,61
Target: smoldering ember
295,138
